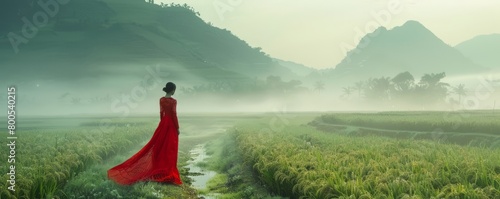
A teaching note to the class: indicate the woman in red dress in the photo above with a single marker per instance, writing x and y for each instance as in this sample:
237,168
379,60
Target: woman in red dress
157,160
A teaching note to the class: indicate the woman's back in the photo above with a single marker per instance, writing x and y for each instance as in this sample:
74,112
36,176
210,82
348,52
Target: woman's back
168,106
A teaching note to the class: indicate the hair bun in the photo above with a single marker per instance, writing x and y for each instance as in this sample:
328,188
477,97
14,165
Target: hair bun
169,87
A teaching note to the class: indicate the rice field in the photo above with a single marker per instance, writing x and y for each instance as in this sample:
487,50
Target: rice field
294,155
299,161
485,122
69,157
47,157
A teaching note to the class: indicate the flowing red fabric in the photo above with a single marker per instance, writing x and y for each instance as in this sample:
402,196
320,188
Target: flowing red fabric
157,160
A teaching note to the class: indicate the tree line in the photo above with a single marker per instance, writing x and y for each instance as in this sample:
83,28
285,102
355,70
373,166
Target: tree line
404,89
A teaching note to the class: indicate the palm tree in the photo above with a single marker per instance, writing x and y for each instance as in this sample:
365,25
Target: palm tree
433,80
431,89
347,91
359,86
319,86
403,82
402,87
460,91
378,89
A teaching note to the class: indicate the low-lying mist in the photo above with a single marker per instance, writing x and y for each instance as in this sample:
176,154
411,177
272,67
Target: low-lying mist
33,103
138,93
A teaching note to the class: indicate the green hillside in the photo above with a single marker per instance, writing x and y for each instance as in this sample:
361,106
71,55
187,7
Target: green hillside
117,37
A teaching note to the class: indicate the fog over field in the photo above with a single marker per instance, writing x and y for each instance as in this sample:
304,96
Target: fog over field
117,59
129,95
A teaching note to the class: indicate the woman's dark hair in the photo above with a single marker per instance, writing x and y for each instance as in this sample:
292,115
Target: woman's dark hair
169,87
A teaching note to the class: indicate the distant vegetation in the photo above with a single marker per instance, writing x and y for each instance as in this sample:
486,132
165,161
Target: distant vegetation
185,6
403,90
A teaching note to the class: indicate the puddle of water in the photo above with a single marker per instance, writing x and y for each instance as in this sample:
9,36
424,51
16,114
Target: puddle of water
199,181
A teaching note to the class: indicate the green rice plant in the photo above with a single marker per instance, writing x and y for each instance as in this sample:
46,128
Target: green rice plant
464,122
302,162
48,157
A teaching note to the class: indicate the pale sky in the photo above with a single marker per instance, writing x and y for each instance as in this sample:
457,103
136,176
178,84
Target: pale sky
311,32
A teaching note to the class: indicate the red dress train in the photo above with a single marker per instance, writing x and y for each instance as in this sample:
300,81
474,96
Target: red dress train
157,160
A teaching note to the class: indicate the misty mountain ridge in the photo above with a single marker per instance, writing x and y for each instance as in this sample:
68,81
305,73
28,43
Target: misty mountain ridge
482,49
299,69
410,47
91,38
95,52
118,38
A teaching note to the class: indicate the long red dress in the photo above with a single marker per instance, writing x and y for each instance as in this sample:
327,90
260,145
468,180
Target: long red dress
157,160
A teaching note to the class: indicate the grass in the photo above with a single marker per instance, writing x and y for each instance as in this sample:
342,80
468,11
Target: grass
235,178
69,157
299,161
472,128
46,158
485,122
274,152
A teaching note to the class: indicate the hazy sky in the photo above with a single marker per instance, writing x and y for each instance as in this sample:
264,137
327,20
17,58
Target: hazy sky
314,32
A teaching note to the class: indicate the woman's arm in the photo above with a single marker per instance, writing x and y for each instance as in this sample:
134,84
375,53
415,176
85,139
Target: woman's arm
174,111
161,108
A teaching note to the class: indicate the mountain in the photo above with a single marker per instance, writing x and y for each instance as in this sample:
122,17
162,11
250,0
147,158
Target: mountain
299,69
483,50
410,47
108,38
